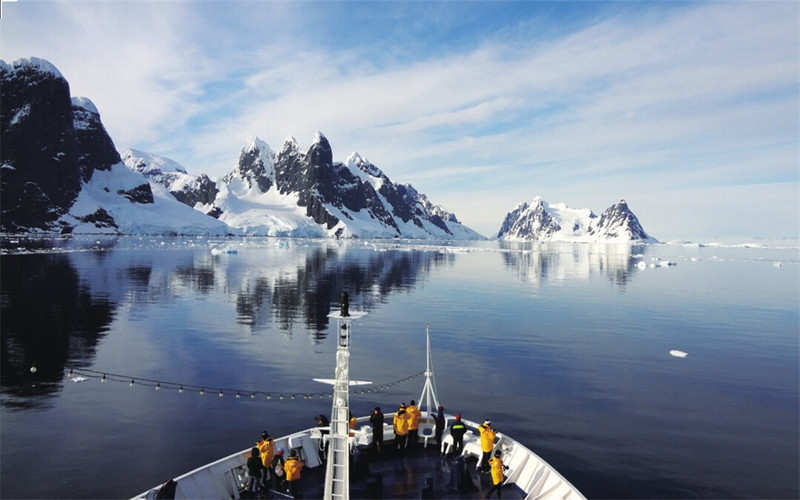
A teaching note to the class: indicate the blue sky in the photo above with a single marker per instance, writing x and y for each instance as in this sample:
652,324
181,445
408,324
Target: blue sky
687,110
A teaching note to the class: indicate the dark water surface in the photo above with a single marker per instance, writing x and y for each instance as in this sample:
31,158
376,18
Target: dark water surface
564,347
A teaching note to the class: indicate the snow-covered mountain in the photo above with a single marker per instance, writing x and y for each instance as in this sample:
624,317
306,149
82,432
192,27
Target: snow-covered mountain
293,193
540,221
62,172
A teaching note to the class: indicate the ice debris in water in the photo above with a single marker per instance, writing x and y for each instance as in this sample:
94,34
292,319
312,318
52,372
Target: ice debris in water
678,354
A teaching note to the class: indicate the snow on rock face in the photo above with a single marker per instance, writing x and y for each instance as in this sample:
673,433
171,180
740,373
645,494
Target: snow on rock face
85,103
619,223
356,161
531,221
107,204
540,221
187,189
33,64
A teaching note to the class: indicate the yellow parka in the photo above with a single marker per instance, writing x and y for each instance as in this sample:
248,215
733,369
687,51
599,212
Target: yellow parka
497,469
400,423
414,415
267,449
487,437
292,467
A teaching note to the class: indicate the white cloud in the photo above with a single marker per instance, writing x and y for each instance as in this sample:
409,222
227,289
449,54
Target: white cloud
679,96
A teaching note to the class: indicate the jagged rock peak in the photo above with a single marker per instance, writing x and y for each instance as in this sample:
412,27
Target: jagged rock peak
619,222
320,152
290,147
256,164
253,143
355,160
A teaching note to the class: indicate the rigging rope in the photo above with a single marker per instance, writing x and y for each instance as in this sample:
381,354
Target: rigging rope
83,374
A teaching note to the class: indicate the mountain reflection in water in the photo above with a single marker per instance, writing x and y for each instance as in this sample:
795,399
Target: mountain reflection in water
58,304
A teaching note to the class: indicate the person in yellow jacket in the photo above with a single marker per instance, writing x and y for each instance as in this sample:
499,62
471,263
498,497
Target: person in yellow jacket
266,448
352,423
400,423
413,424
497,474
487,443
292,468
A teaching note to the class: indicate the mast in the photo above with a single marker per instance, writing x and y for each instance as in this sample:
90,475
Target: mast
337,473
429,389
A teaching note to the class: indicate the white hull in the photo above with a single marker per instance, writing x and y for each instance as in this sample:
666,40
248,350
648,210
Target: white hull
226,477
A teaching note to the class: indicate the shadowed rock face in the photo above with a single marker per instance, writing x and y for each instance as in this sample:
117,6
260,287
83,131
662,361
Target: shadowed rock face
95,147
51,144
40,175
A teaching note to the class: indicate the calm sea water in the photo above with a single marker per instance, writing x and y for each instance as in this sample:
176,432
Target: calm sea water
564,347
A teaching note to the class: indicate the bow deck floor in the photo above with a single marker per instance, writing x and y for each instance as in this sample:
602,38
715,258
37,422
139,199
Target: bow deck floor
389,476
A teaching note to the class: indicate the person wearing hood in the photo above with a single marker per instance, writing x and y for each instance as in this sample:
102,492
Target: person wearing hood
439,423
376,421
293,466
497,466
487,443
266,448
457,431
400,423
255,469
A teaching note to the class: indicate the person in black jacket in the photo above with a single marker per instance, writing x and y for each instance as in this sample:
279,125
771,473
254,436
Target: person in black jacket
255,470
457,430
376,420
439,422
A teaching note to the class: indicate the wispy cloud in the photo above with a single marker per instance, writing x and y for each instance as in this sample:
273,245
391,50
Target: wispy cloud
465,102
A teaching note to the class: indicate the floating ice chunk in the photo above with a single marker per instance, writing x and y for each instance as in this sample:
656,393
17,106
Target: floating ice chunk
79,379
227,250
677,353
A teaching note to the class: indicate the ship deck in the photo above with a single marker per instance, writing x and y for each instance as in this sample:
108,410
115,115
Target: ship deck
419,473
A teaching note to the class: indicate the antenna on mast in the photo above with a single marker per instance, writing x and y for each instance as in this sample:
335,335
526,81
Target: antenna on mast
429,389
